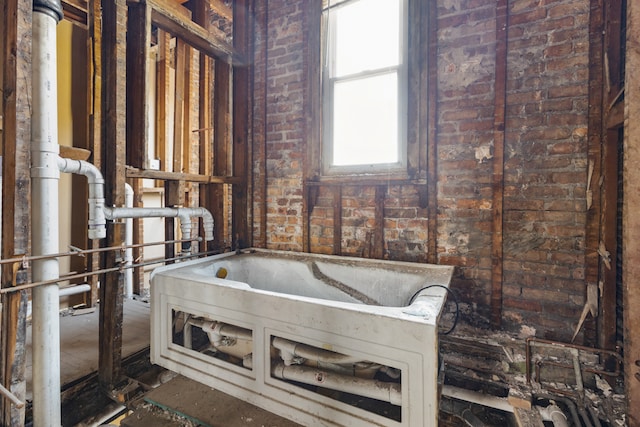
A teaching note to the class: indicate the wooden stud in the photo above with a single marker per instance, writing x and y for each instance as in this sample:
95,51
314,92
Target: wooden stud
113,169
222,145
16,139
163,99
260,91
171,18
631,221
138,43
94,102
502,12
595,152
179,107
378,234
337,220
241,118
430,44
313,123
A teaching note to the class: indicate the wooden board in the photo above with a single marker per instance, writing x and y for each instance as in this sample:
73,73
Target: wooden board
210,407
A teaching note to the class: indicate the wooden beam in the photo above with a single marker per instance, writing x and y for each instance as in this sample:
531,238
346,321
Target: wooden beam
242,109
16,140
186,116
221,9
217,6
170,18
174,195
201,15
502,12
337,220
163,98
313,116
176,176
222,145
138,43
113,170
94,102
595,137
260,91
378,234
430,55
631,220
179,109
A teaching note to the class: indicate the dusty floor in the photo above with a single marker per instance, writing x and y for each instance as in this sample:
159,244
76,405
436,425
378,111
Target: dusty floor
79,340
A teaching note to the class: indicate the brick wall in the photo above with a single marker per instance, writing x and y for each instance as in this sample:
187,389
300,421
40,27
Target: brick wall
545,160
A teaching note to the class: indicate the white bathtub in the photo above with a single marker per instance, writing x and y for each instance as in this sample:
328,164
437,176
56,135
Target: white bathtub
289,332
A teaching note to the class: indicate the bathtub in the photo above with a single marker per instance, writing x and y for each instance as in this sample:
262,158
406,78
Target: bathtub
321,340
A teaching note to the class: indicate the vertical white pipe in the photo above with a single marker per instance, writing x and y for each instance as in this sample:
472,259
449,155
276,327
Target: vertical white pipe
44,217
128,240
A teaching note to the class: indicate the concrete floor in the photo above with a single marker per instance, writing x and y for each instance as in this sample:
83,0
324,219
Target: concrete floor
79,341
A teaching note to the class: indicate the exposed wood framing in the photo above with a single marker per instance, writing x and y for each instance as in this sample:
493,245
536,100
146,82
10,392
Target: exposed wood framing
174,195
113,170
138,235
313,116
94,96
242,109
180,114
221,9
595,152
610,84
221,143
175,176
187,119
201,10
16,139
631,219
378,233
162,98
171,18
138,43
76,11
260,90
430,55
337,220
498,161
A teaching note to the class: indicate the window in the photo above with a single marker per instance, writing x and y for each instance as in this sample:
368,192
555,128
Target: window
364,86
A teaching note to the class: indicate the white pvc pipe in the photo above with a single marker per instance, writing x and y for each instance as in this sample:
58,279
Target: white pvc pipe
99,213
290,349
495,402
217,331
44,222
554,414
74,290
386,392
128,241
185,215
97,221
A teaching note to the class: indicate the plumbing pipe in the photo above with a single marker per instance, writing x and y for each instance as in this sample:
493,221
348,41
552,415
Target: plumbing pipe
495,402
461,411
218,331
185,215
97,222
291,349
379,390
554,414
45,175
74,290
128,241
99,213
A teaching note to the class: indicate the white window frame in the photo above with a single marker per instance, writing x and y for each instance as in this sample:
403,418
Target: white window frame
328,86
